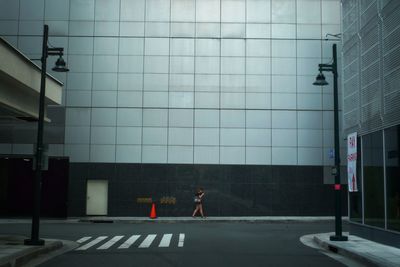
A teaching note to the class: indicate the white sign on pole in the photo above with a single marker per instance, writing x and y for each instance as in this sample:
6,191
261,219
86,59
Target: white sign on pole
352,162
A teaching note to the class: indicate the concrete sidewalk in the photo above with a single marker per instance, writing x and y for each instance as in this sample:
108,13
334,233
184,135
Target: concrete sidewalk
364,251
13,252
105,219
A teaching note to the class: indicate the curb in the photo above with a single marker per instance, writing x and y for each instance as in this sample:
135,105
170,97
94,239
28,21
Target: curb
206,220
345,252
24,256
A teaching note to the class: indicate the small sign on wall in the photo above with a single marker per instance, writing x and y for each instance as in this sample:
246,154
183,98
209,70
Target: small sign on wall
144,200
352,162
331,153
167,200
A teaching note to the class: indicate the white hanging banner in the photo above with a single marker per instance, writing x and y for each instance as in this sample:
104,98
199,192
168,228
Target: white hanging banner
352,162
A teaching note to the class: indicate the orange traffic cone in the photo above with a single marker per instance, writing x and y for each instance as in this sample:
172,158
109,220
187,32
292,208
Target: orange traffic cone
153,211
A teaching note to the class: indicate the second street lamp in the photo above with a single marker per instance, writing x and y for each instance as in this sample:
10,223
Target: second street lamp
60,67
320,80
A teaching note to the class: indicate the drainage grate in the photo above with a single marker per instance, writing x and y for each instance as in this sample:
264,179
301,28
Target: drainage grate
333,249
101,221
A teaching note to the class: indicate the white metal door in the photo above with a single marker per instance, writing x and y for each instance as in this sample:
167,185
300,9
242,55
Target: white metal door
97,197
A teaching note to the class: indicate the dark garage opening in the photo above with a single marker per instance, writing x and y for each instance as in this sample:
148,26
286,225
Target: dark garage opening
16,183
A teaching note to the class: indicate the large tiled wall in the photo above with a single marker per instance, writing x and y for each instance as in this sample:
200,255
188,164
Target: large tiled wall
166,95
184,81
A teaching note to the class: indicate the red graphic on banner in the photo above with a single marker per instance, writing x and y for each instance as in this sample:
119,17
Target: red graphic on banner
352,162
352,142
352,157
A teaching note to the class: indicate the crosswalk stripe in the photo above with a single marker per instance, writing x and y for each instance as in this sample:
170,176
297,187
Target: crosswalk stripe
83,239
92,243
181,240
166,239
111,242
147,242
130,241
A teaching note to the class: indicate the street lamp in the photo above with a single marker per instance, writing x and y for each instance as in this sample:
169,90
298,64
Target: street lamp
60,66
320,80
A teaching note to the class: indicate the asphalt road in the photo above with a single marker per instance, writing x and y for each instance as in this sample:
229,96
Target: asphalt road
183,244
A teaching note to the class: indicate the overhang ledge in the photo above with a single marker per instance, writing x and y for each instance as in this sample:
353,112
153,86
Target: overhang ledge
20,83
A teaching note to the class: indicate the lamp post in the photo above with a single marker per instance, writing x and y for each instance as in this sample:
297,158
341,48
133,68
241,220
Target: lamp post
320,80
37,183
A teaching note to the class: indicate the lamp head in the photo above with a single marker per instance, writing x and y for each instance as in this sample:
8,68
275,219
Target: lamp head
60,66
320,80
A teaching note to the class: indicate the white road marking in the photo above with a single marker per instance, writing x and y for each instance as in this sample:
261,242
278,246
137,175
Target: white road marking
129,241
181,240
83,239
165,241
111,242
147,242
92,243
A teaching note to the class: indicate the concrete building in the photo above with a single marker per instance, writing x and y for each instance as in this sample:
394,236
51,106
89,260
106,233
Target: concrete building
164,96
371,97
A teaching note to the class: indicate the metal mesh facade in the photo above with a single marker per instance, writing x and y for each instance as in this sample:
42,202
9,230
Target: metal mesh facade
371,65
